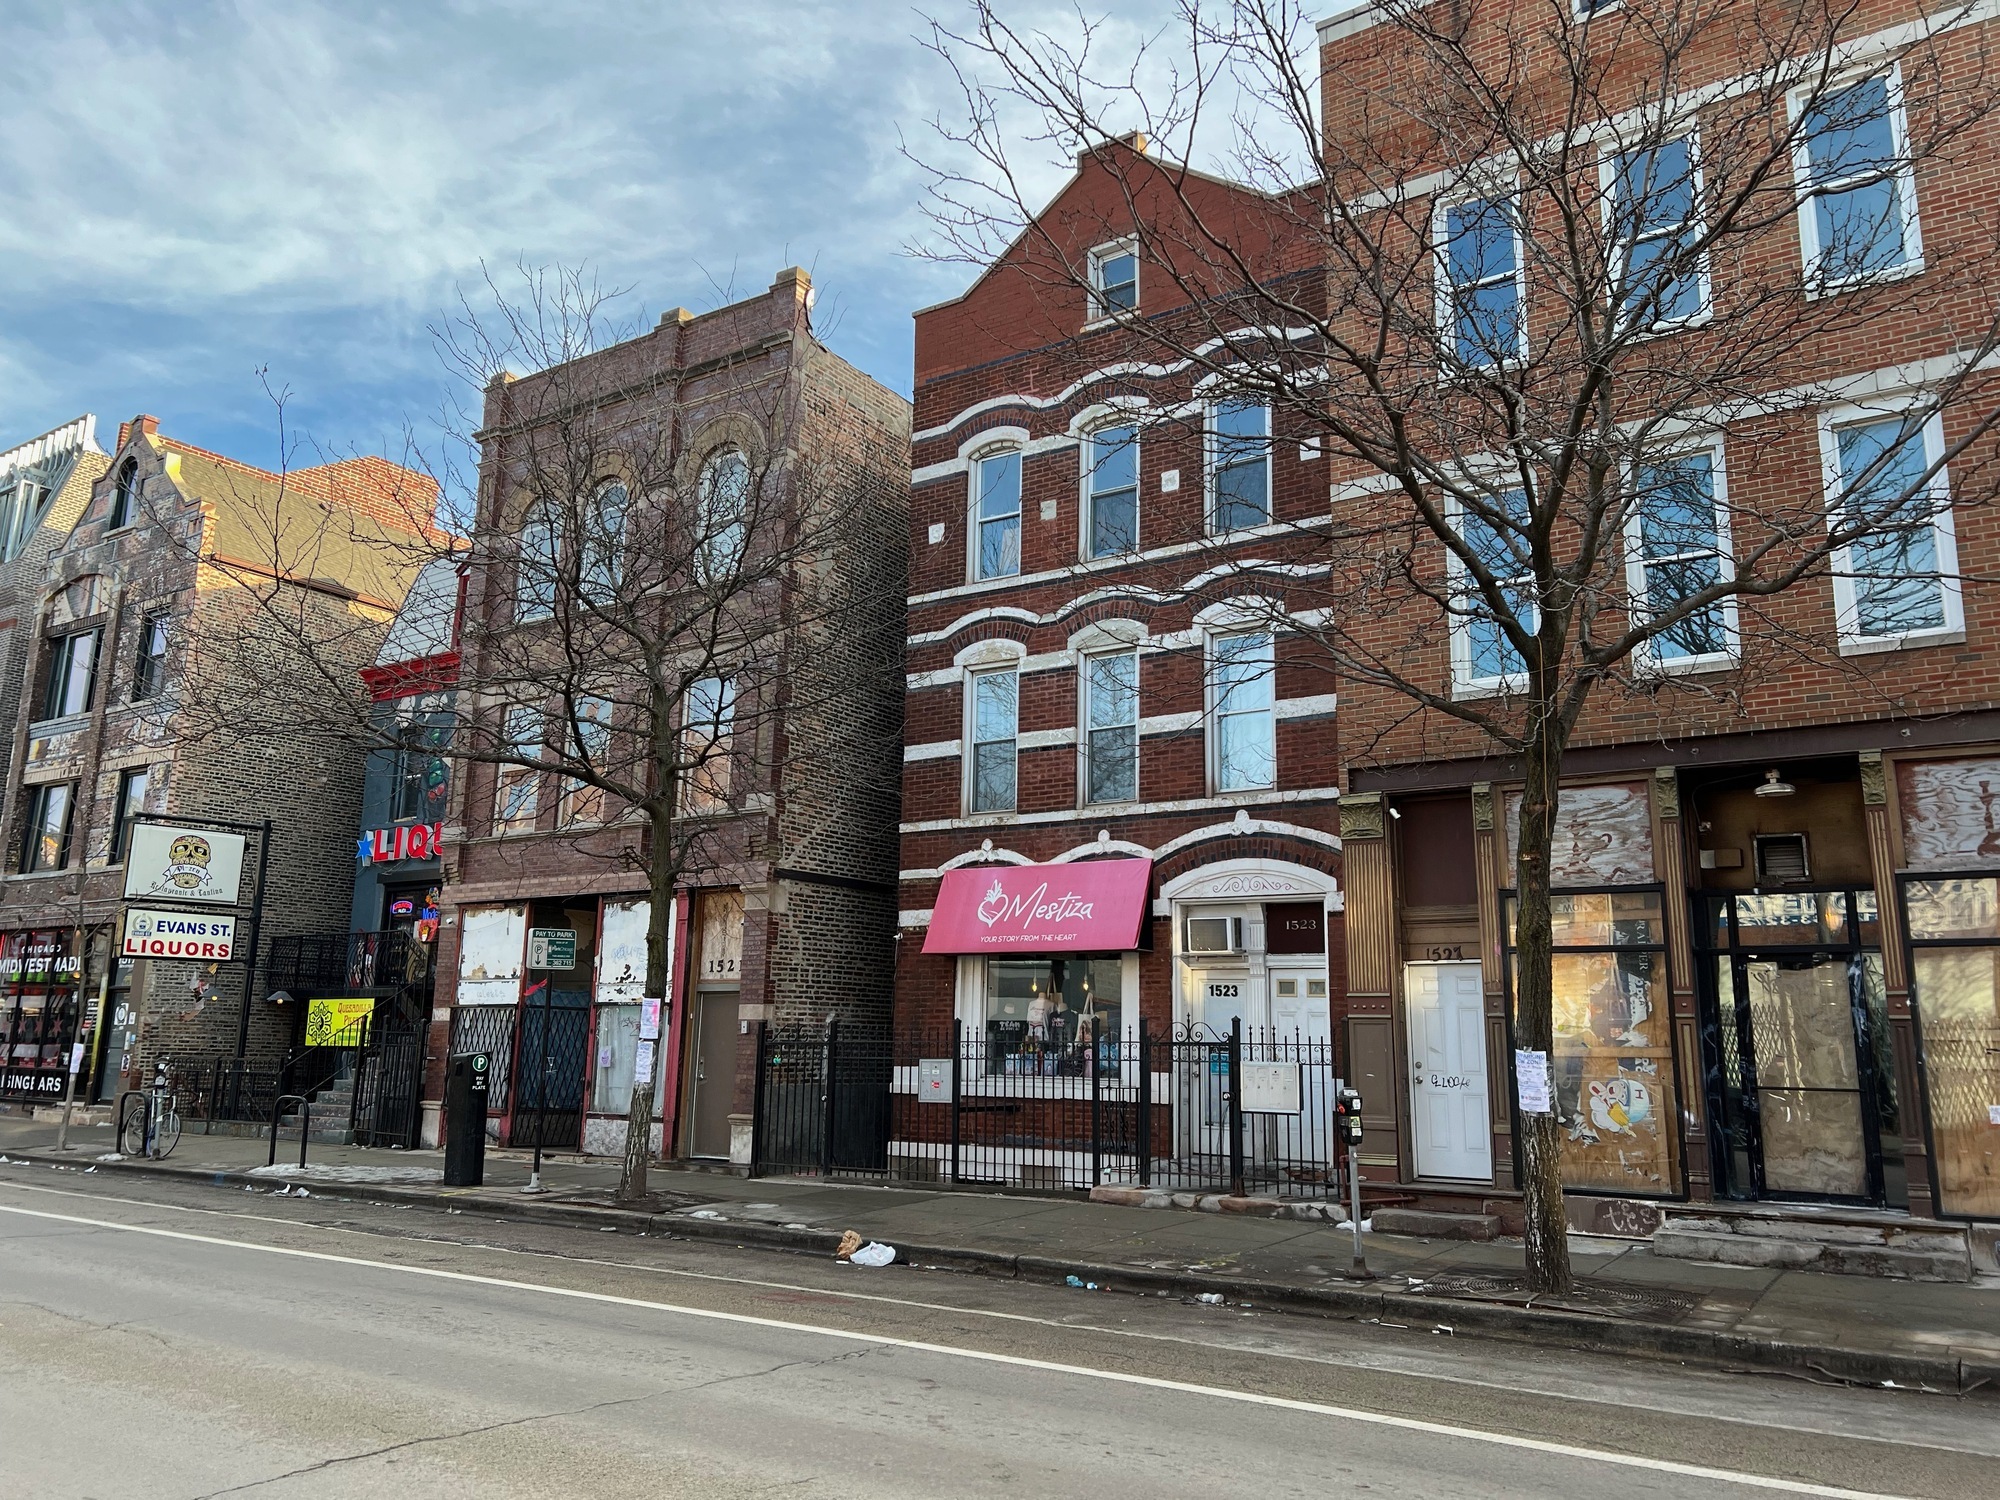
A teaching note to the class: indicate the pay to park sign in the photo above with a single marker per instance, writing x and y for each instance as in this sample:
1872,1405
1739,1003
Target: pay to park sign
178,934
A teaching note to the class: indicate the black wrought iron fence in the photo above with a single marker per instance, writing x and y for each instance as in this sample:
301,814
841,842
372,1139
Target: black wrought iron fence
1193,1109
489,1029
388,1090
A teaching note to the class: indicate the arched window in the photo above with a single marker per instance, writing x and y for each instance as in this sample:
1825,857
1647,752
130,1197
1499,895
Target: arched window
604,541
125,498
725,506
535,572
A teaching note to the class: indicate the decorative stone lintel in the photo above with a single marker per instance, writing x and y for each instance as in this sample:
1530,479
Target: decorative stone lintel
1361,816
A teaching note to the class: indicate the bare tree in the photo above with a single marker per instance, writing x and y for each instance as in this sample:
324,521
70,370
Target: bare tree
663,632
1558,255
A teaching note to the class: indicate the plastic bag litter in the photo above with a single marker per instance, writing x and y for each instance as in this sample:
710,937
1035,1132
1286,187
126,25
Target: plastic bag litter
1213,1299
873,1254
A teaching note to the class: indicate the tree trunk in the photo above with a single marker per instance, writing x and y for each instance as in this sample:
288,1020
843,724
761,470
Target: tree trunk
1547,1229
659,964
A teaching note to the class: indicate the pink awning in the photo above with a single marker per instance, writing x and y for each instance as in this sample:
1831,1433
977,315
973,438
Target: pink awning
1093,906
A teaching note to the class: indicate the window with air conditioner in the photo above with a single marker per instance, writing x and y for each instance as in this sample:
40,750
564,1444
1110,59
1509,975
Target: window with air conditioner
1212,935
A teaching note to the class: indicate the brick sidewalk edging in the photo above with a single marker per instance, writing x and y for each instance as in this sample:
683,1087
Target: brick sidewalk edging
1360,1302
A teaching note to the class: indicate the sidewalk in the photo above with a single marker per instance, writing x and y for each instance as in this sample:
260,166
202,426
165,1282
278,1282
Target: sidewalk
1942,1336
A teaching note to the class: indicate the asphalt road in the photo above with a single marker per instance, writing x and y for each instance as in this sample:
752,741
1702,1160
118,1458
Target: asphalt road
164,1340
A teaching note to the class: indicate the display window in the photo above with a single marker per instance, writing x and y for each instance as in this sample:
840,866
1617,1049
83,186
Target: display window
1612,1069
1044,1016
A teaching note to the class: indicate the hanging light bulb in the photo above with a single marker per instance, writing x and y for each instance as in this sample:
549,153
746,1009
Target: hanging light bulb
1773,787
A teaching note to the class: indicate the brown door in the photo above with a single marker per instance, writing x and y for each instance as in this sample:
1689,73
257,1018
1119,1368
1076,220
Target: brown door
714,1073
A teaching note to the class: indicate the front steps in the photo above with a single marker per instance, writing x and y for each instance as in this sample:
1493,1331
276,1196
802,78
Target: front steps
1843,1242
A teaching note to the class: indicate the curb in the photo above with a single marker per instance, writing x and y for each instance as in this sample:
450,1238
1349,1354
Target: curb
1545,1327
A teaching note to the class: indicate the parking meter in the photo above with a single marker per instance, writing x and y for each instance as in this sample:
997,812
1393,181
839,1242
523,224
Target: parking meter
467,1078
1347,1120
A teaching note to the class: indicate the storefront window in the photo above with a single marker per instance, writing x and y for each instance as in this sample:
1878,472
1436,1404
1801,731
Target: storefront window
1612,1067
1043,1015
1955,982
617,1046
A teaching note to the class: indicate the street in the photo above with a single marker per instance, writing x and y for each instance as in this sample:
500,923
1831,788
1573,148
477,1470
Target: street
171,1340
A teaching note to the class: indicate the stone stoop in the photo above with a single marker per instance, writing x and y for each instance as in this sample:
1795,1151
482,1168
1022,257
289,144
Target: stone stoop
1432,1224
1858,1245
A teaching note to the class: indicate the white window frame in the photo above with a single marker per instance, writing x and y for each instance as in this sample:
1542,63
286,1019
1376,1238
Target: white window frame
1212,466
1088,488
1944,531
601,570
1085,727
717,753
1099,256
1445,304
722,549
1464,683
1608,174
1904,176
508,775
1212,693
972,741
969,1004
595,711
539,513
975,471
1636,562
126,502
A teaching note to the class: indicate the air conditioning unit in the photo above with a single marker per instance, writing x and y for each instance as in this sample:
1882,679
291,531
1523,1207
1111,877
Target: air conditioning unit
1212,935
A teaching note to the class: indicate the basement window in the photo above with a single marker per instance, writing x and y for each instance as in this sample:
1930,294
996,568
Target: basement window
1781,859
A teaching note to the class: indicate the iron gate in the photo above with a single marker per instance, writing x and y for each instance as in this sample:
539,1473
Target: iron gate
388,1090
822,1103
551,1047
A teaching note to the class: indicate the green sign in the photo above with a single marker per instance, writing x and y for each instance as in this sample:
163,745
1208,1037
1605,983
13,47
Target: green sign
551,948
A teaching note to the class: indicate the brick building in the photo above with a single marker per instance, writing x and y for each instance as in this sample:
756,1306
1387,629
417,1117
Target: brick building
149,630
1776,923
1119,786
694,446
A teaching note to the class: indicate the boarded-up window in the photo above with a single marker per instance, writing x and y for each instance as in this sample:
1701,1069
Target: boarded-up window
1603,836
491,939
621,955
720,959
1951,813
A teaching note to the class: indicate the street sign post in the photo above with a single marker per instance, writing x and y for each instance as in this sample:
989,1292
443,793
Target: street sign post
551,948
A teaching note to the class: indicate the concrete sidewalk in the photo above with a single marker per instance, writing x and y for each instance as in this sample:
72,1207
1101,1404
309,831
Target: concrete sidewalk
1942,1336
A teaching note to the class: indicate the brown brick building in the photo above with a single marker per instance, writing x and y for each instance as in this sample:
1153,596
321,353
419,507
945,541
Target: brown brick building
147,638
784,911
1778,917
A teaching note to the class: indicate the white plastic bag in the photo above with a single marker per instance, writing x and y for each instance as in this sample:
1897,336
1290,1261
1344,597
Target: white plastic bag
873,1253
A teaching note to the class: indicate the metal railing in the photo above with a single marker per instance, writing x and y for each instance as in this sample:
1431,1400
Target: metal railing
360,961
1192,1109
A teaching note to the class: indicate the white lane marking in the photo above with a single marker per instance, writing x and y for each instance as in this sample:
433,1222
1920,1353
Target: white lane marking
1015,1361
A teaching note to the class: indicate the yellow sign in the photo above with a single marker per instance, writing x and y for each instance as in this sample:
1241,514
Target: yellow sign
327,1019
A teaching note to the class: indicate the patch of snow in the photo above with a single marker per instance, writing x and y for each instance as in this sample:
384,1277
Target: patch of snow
326,1172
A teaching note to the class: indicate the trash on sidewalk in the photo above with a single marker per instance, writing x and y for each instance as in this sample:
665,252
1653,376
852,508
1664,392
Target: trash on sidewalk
1080,1284
1213,1299
873,1253
849,1243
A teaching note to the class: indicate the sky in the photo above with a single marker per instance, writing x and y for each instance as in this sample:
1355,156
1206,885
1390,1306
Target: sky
197,191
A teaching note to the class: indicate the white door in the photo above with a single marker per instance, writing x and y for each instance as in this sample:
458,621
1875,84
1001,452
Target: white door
1447,1013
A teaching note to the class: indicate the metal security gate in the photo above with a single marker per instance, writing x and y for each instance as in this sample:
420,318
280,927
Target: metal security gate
388,1091
551,1046
489,1029
822,1104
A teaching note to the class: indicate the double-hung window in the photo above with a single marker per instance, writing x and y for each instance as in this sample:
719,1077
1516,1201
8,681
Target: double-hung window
604,542
1857,192
1480,302
1243,693
517,786
132,787
996,721
1677,541
1111,727
1239,446
996,520
725,513
1898,578
422,779
590,740
149,670
1112,482
1482,655
1114,281
535,564
708,719
45,842
1655,222
72,675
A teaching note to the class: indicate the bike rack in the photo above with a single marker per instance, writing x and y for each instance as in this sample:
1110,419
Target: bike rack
305,1125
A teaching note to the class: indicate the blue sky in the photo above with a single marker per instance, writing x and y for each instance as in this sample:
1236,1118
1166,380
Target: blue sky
197,190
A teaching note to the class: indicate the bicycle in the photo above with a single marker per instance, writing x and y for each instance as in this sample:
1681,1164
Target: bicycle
152,1125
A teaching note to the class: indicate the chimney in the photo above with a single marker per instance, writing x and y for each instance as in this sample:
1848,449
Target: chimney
145,424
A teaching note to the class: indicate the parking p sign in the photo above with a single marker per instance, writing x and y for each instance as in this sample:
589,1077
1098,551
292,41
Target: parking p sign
551,948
